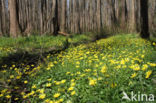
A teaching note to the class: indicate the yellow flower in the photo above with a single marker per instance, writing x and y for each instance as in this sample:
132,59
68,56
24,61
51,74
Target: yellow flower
41,91
48,85
77,62
4,71
8,96
73,93
3,91
148,74
32,93
136,67
133,75
25,82
13,65
42,96
56,95
99,78
22,93
8,80
77,66
16,99
18,77
12,76
145,66
48,101
60,100
70,89
34,86
24,97
16,87
49,79
122,62
113,85
103,70
92,82
154,43
48,68
63,81
152,64
58,83
73,84
1,95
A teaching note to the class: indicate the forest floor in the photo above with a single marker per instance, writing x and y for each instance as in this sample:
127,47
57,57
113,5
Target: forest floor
77,69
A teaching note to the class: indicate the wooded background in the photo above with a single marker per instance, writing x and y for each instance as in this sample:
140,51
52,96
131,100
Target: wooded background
73,16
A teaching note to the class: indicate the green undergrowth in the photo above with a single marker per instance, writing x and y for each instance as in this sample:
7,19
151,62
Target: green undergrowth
93,72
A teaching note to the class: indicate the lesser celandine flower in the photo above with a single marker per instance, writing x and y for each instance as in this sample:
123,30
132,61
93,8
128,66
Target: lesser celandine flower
72,84
48,85
104,68
92,82
148,73
1,95
8,96
133,75
63,81
60,100
25,82
12,76
47,100
49,79
70,89
16,99
42,96
34,86
41,91
58,83
113,85
8,80
56,95
144,67
73,93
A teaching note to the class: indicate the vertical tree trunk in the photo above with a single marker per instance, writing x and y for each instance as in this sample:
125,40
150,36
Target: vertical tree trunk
14,25
63,15
55,19
132,16
4,18
123,14
1,18
144,19
99,15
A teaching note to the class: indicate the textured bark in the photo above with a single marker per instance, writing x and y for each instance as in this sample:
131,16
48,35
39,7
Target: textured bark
14,25
4,17
144,19
63,16
99,15
55,19
132,24
44,16
0,18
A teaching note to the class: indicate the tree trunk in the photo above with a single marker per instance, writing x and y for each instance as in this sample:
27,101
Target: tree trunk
14,25
63,15
144,19
55,19
99,15
0,18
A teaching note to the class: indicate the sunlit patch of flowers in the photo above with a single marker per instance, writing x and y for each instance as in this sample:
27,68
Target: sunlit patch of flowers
92,70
